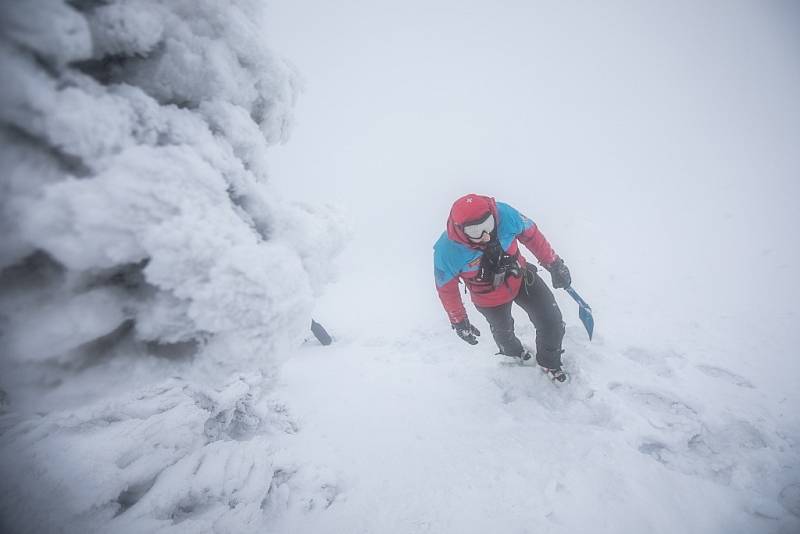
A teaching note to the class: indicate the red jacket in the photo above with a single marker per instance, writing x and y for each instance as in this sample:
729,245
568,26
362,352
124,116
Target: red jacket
455,257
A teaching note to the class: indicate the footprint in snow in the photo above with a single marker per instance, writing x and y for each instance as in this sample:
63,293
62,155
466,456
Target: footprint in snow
653,400
724,374
721,452
660,409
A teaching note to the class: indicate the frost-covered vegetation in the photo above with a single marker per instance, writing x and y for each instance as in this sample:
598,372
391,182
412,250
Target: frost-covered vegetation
149,273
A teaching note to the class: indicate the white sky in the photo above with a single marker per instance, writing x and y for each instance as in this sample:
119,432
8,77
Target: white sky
656,145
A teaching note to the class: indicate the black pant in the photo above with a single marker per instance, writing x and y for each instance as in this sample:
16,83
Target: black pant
537,300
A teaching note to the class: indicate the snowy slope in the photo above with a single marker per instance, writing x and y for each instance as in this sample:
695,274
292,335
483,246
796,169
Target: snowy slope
155,286
656,148
426,434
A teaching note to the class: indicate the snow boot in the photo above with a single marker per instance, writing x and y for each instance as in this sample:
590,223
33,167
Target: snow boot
556,375
522,357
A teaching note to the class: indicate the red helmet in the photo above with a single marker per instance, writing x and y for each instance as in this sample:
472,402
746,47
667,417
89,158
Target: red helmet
468,209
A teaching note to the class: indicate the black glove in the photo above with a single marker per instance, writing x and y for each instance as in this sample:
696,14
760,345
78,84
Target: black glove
559,274
467,332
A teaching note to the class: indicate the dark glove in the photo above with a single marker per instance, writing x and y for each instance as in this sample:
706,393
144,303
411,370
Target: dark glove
559,274
467,332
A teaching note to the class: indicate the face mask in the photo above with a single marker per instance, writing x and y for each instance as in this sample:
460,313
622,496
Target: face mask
475,230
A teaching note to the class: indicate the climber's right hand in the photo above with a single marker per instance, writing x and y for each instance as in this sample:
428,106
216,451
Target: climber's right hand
467,332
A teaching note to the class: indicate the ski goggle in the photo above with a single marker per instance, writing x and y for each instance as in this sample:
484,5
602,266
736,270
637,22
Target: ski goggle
476,230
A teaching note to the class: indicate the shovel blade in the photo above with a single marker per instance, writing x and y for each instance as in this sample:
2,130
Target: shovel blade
584,312
320,333
585,315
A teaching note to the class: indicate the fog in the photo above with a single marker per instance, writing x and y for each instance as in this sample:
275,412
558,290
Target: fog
174,214
655,146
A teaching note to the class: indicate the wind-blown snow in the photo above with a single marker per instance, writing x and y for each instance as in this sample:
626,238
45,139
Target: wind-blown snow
155,287
427,434
146,263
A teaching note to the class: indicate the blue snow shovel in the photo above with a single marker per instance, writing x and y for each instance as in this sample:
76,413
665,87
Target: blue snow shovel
585,311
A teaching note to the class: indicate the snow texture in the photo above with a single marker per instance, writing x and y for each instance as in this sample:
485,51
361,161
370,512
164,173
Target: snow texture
155,289
145,262
430,435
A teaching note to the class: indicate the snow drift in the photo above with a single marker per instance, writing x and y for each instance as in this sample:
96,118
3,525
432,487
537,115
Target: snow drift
141,243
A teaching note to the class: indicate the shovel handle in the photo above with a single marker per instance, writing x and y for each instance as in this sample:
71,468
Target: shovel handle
578,299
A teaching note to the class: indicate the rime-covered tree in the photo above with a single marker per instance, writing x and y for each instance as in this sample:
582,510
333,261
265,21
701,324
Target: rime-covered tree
141,240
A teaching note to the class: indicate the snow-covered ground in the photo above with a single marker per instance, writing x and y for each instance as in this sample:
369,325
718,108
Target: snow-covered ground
422,433
162,257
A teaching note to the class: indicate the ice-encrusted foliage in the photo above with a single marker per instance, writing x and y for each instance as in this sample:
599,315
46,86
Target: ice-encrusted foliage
140,239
